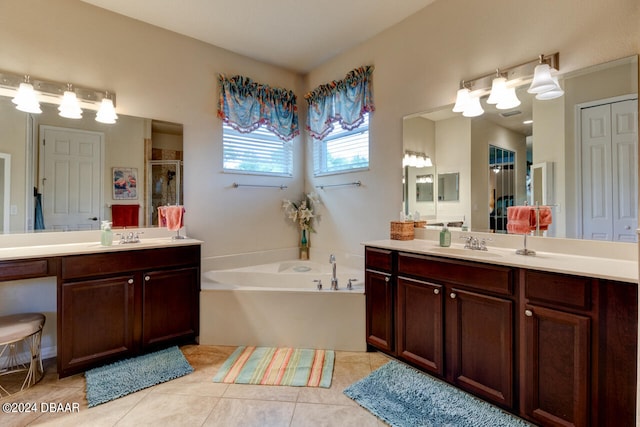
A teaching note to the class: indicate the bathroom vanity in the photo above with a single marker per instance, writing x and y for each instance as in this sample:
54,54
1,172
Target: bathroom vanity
551,344
115,302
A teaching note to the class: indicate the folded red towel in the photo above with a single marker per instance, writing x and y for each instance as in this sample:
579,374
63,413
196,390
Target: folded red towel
171,217
124,215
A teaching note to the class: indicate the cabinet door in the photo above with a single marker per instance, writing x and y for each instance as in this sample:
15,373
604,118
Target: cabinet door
95,322
420,330
481,339
379,291
170,301
557,349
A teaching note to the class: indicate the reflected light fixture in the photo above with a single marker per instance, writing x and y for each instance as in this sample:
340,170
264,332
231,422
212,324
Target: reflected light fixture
496,169
509,99
554,93
498,89
416,160
26,99
29,93
462,98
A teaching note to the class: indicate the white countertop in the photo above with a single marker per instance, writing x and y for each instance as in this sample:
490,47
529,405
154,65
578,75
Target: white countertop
603,268
80,248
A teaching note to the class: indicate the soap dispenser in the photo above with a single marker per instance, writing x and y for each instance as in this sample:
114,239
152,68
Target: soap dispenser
106,237
445,237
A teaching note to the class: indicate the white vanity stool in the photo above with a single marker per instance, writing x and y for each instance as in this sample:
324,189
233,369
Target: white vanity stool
25,327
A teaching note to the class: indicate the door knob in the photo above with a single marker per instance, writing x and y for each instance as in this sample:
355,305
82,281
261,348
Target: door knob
436,291
528,313
93,218
452,295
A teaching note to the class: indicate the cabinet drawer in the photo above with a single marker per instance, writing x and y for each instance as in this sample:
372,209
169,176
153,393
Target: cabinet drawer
11,270
77,266
378,259
558,289
486,277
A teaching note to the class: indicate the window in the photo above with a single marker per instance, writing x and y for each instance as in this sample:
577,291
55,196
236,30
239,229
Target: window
342,150
258,152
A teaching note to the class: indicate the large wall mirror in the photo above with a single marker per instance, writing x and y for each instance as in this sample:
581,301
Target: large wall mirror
70,174
594,123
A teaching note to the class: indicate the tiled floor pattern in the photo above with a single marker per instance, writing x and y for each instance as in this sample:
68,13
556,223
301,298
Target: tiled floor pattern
195,400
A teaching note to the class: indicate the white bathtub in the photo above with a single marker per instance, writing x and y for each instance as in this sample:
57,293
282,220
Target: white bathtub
279,304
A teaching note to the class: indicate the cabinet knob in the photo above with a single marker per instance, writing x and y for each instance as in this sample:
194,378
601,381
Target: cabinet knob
528,313
130,281
147,278
386,279
436,291
452,295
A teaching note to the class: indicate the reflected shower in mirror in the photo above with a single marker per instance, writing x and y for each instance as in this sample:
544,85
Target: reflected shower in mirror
501,186
547,132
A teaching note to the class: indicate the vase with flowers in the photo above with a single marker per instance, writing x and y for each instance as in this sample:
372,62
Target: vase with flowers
302,213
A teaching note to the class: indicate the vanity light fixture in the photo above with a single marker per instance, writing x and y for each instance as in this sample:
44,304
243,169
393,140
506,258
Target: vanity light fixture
26,99
501,86
70,108
107,112
28,93
416,160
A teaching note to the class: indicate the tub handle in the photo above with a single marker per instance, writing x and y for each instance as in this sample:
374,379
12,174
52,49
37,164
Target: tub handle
319,286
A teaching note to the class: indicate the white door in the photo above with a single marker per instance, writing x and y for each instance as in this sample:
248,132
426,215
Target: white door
70,178
609,171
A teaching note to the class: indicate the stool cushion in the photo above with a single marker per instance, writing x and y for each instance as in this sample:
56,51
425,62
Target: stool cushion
18,326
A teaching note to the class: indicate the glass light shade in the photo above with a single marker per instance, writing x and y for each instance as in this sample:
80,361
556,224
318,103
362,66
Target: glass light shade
69,107
473,107
462,98
510,99
106,113
26,99
427,162
542,80
498,89
554,93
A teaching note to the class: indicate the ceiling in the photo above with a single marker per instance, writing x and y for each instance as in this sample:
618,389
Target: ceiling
295,34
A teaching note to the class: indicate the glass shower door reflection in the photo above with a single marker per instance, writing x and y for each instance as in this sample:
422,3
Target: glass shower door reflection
165,186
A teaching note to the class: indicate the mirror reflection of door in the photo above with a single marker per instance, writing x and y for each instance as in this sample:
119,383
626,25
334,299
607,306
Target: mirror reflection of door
70,178
501,186
609,141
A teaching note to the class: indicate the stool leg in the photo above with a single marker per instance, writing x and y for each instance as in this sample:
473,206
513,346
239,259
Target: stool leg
35,371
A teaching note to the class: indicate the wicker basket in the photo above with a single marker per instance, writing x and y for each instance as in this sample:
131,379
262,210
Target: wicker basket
417,224
401,230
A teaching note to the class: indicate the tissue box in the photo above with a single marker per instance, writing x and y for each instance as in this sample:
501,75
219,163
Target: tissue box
402,230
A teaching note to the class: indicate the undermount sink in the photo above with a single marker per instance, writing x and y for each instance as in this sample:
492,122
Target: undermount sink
465,252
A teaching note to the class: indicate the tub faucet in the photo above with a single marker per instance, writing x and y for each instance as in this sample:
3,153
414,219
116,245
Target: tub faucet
334,279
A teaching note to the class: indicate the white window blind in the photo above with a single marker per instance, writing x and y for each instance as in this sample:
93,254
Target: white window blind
259,152
342,150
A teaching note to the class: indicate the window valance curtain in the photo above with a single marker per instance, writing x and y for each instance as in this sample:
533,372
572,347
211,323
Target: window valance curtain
345,101
246,105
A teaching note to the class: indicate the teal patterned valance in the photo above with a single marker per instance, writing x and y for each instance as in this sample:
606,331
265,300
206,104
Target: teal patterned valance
246,105
345,101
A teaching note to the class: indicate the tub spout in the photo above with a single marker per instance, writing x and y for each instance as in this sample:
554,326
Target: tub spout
334,279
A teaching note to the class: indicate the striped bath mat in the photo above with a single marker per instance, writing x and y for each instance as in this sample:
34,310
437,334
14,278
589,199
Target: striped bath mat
278,366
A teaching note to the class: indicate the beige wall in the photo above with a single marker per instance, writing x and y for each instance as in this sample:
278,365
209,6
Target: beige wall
419,64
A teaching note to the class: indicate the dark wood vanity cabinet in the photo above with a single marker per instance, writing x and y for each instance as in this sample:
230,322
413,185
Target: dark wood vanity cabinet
556,349
449,323
380,299
118,304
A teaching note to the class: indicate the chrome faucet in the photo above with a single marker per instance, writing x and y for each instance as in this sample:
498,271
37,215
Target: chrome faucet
334,279
474,243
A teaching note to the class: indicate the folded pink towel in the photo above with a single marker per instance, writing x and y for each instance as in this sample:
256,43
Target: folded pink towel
522,219
171,217
518,227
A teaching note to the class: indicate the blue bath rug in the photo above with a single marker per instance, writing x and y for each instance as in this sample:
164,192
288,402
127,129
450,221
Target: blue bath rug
128,376
405,397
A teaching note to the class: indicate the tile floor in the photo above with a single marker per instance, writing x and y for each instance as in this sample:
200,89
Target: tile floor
195,400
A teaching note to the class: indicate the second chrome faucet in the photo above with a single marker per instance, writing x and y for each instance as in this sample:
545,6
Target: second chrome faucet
334,278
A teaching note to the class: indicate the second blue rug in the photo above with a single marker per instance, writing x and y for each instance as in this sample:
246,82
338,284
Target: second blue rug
127,376
405,397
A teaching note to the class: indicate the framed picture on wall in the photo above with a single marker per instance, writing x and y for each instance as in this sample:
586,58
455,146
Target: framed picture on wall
125,185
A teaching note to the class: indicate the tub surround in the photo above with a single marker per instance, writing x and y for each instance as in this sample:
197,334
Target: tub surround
278,304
